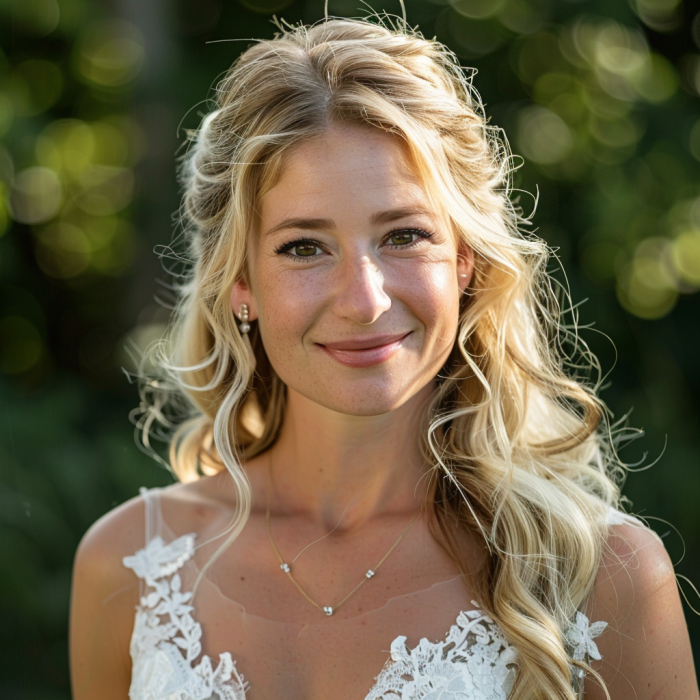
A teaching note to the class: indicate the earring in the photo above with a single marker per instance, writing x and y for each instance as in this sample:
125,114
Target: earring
243,315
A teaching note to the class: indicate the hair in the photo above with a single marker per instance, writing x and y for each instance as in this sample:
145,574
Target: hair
516,438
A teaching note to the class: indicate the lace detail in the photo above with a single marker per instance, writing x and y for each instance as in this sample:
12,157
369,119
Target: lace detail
474,661
580,637
165,642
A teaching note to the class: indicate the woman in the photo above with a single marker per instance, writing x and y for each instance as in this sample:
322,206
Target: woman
389,486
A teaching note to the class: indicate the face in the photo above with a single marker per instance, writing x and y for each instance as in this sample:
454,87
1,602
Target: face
355,277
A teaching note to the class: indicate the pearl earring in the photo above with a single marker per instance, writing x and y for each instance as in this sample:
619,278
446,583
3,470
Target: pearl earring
243,315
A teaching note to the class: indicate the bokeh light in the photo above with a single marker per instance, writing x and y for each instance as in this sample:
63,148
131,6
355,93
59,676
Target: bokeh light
478,9
646,286
538,54
37,195
66,146
63,250
468,37
72,146
35,17
93,162
685,252
525,16
105,190
660,15
543,137
110,53
67,249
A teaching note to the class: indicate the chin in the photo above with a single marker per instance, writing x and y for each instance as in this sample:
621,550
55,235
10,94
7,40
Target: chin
364,399
363,408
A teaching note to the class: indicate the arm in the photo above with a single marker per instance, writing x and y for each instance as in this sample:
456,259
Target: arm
103,597
645,650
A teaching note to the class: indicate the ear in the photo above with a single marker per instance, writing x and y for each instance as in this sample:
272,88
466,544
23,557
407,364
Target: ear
465,267
242,294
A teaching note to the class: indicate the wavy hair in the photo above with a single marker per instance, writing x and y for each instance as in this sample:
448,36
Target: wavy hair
516,438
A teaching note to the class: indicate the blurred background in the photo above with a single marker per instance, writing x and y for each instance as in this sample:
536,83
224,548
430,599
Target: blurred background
599,97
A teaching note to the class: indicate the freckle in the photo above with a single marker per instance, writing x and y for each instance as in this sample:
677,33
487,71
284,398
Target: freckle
242,578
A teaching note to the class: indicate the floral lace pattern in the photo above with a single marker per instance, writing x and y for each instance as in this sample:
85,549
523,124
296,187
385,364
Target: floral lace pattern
580,637
165,643
474,662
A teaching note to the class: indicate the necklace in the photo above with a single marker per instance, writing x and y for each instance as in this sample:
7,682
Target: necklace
370,573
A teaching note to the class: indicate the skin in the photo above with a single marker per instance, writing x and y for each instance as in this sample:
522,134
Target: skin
348,457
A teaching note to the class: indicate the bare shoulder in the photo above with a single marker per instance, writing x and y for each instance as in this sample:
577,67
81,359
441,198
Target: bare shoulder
103,597
116,534
635,567
122,531
645,649
105,592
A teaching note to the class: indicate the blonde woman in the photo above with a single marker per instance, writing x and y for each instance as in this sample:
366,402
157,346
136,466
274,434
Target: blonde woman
389,486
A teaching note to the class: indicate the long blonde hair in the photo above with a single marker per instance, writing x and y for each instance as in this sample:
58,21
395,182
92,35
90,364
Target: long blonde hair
514,439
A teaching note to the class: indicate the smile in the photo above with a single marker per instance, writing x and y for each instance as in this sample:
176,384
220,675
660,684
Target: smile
364,352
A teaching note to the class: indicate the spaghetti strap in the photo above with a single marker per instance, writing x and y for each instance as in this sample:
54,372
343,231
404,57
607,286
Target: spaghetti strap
151,498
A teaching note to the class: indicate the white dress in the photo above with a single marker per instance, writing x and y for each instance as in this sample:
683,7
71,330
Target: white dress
473,662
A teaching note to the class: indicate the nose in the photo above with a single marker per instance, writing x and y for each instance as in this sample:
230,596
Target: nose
361,297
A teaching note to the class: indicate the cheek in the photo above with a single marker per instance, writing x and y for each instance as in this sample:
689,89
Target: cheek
433,296
286,307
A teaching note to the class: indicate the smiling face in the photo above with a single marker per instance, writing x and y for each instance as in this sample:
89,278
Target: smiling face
355,277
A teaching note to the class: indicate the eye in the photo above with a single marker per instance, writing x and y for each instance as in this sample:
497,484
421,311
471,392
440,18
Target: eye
404,238
302,248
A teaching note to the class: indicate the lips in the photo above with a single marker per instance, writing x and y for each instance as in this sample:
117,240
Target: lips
364,351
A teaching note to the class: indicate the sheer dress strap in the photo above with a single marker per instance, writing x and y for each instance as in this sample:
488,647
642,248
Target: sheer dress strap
154,517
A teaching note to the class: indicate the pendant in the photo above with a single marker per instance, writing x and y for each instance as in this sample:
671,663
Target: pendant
328,610
370,573
285,568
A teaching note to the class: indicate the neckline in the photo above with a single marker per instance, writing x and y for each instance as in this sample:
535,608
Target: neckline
158,560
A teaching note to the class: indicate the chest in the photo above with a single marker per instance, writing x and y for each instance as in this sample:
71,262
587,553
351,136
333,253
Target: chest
247,606
322,657
260,639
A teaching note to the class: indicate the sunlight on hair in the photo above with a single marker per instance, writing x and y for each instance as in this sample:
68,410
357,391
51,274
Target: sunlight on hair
521,447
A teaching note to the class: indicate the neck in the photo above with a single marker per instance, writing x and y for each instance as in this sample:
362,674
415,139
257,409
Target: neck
341,470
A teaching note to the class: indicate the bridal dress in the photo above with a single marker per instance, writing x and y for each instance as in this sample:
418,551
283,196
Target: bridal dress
473,660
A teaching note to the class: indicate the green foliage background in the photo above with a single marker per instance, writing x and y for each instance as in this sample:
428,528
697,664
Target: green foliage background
600,97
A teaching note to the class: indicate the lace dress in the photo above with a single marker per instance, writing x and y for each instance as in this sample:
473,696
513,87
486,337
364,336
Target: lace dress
473,662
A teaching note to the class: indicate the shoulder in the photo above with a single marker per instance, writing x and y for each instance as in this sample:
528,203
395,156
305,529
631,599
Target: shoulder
185,508
635,566
104,594
117,534
645,648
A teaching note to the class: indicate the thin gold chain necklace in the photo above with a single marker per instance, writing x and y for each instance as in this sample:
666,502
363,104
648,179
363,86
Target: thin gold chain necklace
370,573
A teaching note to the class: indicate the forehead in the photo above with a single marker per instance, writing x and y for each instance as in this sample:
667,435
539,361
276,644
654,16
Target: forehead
347,168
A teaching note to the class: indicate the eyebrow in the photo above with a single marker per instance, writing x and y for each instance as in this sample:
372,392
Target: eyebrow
380,217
